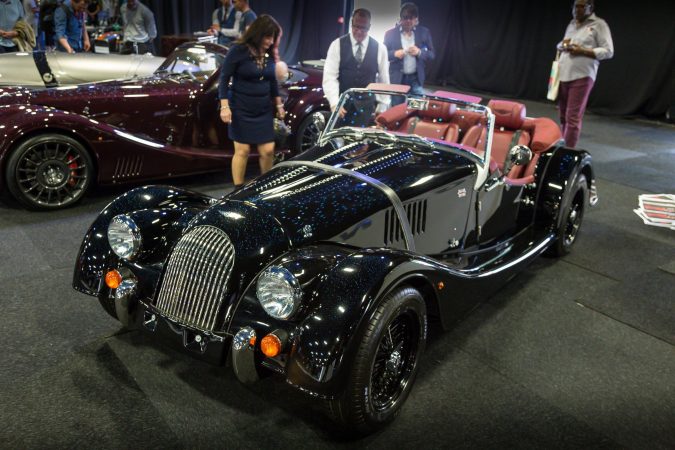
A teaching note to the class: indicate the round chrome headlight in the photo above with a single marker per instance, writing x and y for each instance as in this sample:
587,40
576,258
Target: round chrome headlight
278,292
124,236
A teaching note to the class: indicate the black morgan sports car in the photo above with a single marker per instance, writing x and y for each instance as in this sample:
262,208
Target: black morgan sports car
325,270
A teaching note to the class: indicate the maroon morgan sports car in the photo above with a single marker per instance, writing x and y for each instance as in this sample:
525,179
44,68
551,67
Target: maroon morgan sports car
56,143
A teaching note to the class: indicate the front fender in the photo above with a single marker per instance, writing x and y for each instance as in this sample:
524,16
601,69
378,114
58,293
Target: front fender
326,338
561,169
95,255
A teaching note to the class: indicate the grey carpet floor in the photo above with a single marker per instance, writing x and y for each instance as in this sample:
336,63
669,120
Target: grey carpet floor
577,352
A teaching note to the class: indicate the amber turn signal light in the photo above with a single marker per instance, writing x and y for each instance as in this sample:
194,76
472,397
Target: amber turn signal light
270,345
113,279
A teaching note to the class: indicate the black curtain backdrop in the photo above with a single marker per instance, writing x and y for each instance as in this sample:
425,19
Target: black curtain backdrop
503,48
506,48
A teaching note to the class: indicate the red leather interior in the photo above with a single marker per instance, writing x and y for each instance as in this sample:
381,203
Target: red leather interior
434,122
391,118
509,119
438,111
444,122
466,119
545,133
509,115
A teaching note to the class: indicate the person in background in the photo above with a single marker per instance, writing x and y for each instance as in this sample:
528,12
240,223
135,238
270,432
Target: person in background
410,48
354,60
139,28
247,15
32,10
108,10
10,13
223,22
93,9
249,105
70,33
587,41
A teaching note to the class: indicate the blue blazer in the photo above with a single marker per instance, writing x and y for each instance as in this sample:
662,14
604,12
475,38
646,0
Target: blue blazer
392,40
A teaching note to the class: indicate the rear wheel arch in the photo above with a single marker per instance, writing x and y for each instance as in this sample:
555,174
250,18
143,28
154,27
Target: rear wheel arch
60,131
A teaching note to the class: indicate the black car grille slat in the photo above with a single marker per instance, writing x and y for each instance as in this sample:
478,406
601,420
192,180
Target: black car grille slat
196,278
417,217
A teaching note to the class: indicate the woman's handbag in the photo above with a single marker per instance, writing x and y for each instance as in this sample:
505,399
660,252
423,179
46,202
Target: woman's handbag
554,80
281,133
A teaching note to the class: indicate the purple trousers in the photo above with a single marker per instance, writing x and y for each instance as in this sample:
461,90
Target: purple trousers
572,99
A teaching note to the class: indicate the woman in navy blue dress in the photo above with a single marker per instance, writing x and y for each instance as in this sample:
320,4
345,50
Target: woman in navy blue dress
249,104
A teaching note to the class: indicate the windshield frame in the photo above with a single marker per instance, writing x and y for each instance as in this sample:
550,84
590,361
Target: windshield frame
331,132
169,64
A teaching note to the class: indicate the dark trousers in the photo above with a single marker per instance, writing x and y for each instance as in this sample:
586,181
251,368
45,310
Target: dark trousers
409,79
572,100
137,47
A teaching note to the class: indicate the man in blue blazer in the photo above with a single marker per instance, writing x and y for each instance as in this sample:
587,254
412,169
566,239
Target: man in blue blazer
409,47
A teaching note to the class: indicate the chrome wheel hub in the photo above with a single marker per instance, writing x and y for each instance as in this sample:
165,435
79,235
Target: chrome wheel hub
53,174
394,363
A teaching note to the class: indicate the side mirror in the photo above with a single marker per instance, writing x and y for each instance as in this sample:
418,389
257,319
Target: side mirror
519,155
319,121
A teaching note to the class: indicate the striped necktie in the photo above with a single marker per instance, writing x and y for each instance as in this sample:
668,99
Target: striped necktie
359,53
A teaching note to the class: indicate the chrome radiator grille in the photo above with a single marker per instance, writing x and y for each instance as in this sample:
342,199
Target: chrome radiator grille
196,278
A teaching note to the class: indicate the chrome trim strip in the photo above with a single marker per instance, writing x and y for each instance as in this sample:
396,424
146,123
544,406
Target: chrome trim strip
389,192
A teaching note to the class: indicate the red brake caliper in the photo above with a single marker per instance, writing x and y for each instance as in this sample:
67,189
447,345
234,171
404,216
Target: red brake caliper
73,166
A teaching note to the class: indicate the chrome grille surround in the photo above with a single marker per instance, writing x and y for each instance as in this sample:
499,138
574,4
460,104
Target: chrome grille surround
196,278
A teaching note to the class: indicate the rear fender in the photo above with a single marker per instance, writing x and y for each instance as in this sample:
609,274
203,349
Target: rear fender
562,167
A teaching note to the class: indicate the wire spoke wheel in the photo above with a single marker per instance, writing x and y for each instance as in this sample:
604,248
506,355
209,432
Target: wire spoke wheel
308,134
49,172
394,361
383,371
574,220
572,215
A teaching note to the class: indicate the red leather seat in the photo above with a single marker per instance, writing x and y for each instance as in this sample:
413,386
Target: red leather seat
433,122
509,121
545,133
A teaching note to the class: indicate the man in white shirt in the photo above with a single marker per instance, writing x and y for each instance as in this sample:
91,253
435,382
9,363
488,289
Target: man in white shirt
354,60
587,41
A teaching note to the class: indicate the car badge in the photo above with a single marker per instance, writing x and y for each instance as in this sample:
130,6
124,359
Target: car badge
461,192
85,111
453,243
47,77
307,231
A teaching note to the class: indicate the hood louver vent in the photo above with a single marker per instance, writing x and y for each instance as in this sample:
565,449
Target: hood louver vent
417,217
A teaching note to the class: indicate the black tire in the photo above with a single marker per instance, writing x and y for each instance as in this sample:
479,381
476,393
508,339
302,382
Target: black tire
385,364
572,215
308,133
50,171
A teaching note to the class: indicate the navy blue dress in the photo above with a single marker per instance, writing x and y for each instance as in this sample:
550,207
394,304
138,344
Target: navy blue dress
250,95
